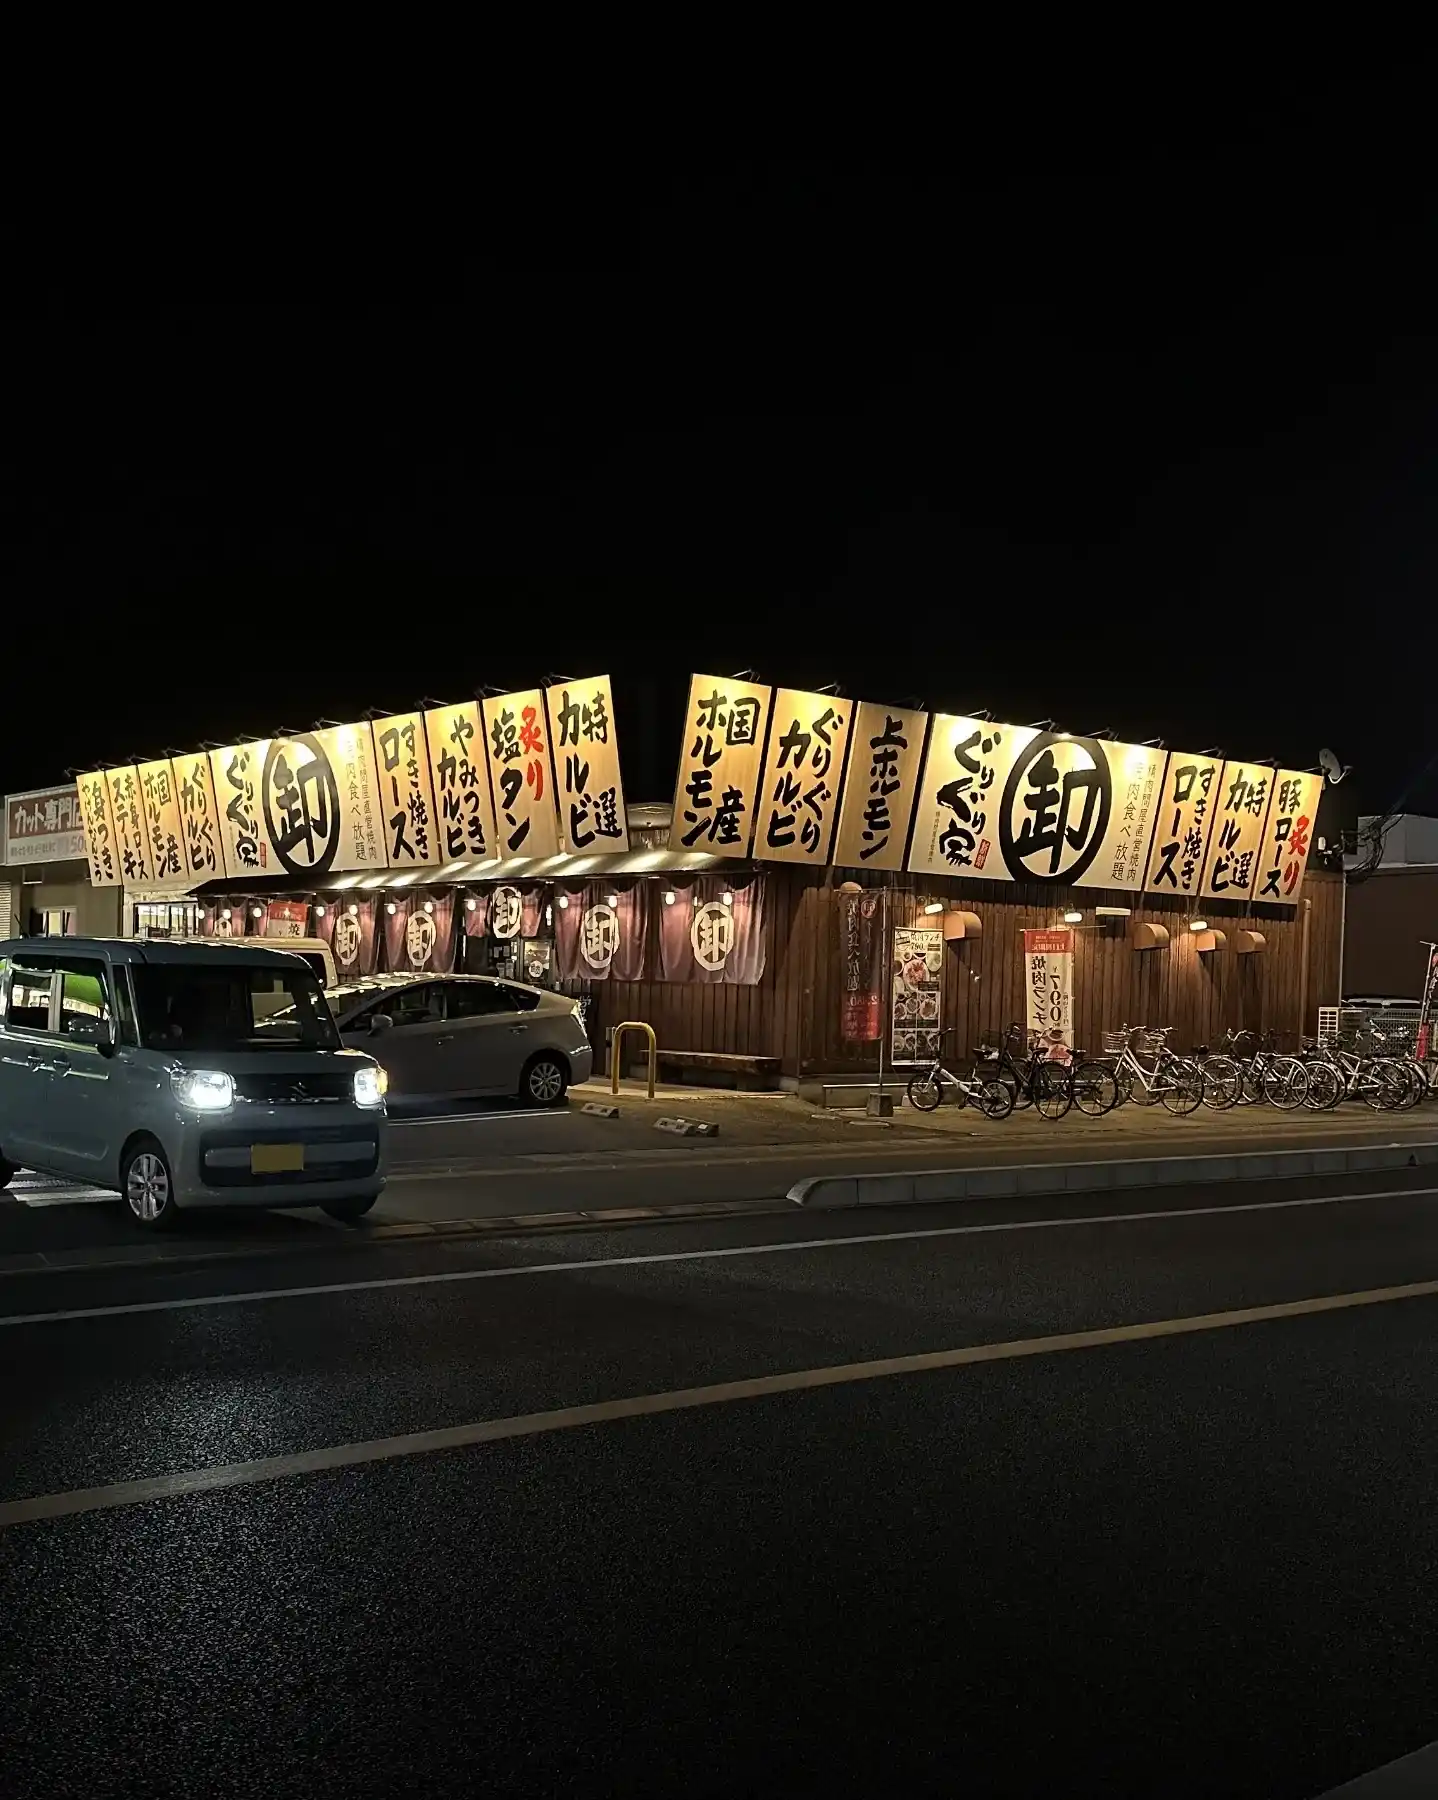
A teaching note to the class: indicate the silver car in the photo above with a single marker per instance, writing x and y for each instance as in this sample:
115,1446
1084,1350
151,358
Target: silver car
443,1037
183,1075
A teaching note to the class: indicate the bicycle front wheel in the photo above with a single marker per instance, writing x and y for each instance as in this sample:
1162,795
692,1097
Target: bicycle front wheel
1325,1087
1285,1083
925,1091
994,1099
1184,1086
1095,1089
1222,1082
1053,1090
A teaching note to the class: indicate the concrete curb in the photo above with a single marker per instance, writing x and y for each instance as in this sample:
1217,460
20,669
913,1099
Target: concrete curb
825,1192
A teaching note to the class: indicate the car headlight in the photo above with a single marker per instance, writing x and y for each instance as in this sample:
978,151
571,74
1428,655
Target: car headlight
202,1090
370,1086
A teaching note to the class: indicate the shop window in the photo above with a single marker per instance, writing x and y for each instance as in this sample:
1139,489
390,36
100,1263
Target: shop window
84,999
28,1004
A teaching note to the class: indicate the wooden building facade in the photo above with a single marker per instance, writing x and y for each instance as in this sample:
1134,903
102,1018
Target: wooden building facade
1272,970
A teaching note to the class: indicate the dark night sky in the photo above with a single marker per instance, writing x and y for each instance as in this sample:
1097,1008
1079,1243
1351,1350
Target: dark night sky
1133,424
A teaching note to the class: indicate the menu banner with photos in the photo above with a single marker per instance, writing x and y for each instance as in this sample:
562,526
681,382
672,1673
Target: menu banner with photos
1186,808
201,840
1243,795
1049,986
102,849
516,734
1289,835
803,774
586,766
717,796
131,838
160,808
459,771
916,994
877,806
406,790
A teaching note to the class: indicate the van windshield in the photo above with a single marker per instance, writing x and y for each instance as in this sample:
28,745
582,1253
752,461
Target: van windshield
189,1007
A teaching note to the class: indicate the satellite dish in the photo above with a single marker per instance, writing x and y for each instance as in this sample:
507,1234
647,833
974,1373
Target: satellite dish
1333,770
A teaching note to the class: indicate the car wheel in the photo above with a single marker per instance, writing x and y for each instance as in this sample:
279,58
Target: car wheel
349,1210
148,1186
543,1082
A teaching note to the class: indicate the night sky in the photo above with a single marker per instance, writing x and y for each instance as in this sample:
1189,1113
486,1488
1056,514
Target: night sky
1129,424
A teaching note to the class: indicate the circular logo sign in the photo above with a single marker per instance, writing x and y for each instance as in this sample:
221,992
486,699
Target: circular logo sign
419,936
301,802
599,935
506,911
1056,807
346,940
711,936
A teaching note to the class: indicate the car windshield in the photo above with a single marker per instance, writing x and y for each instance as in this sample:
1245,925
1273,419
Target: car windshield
190,1007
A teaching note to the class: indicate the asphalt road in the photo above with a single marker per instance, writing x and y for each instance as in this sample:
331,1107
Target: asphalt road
333,1525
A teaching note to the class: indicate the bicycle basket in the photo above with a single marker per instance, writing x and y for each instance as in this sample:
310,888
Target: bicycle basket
1114,1043
1148,1043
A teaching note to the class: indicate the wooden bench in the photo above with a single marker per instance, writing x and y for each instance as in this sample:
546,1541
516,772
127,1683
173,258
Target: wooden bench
718,1068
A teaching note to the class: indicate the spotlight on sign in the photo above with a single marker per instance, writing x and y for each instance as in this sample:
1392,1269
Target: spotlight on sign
390,908
934,906
669,896
429,906
1198,924
471,905
320,910
353,909
225,912
564,900
257,912
727,898
1073,918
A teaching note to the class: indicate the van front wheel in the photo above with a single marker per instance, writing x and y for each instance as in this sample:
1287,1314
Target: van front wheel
148,1186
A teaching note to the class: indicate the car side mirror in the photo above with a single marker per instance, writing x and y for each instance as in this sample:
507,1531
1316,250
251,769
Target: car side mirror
380,1022
105,1037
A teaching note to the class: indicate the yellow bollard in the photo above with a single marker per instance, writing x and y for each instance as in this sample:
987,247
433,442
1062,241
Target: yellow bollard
619,1031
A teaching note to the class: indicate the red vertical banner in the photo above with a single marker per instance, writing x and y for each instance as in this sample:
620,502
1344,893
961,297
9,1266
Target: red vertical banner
861,965
1049,987
396,922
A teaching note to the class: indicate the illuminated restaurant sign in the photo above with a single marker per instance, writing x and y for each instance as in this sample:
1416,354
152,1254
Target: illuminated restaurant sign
774,774
717,797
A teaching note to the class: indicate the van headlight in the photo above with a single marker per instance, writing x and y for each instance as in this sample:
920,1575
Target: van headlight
370,1086
202,1090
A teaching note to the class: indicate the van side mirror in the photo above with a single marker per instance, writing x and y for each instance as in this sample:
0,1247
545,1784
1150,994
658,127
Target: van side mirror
105,1037
380,1022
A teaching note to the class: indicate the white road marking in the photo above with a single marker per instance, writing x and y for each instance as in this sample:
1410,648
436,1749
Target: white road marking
85,1196
522,1112
603,1412
728,1251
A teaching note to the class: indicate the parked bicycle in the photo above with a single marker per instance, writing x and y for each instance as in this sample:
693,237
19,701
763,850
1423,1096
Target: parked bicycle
1385,1083
993,1098
1036,1079
1148,1071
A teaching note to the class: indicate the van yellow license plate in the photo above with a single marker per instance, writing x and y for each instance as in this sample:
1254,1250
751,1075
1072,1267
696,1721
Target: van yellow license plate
276,1159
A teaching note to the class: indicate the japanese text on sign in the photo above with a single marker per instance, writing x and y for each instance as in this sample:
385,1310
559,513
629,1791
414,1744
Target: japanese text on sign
802,776
200,839
1289,835
236,773
1181,831
586,761
882,785
464,812
516,734
99,824
130,835
161,813
717,794
1242,800
406,793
